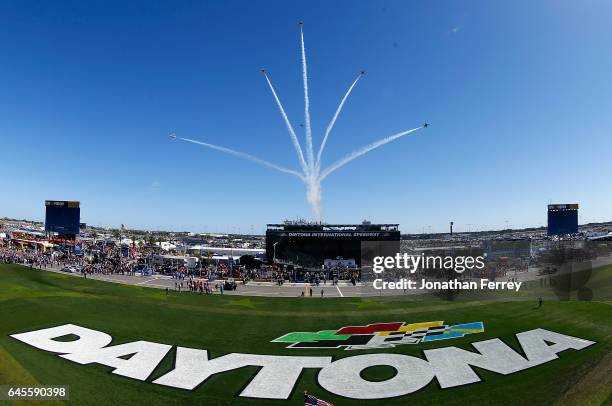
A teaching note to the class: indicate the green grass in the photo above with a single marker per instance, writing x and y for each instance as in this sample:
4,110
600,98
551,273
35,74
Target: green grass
31,300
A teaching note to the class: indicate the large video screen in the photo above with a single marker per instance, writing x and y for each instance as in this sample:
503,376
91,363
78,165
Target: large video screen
62,217
562,222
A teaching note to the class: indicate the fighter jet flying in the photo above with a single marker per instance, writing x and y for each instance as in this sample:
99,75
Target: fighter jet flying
173,135
425,125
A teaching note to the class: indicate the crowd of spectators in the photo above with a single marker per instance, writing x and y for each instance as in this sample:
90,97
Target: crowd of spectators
220,276
34,259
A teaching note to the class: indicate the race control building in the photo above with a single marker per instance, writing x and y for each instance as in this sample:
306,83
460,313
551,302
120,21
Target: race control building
310,244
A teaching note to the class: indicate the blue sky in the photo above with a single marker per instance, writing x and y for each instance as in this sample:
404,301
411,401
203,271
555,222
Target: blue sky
518,94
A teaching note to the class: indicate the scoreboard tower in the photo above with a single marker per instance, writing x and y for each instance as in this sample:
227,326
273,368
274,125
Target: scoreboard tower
63,217
562,219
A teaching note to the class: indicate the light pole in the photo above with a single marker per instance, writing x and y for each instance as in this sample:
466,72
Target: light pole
274,250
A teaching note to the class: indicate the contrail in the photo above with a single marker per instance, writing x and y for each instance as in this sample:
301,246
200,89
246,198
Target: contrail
309,151
363,151
294,139
333,120
243,155
311,173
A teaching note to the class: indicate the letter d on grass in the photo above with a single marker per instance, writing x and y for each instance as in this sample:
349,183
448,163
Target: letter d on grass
45,339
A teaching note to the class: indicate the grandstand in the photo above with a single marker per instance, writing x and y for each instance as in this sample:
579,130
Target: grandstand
311,244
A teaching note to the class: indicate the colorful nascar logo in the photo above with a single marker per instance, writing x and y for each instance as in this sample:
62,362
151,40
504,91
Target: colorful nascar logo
379,335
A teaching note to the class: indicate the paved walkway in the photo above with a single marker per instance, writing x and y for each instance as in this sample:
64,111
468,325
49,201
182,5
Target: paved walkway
270,289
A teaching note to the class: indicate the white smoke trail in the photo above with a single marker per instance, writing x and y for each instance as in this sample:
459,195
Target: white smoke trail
309,151
311,173
294,139
246,156
362,151
313,195
333,121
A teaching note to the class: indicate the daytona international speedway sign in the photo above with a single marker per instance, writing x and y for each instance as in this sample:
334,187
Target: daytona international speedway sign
277,376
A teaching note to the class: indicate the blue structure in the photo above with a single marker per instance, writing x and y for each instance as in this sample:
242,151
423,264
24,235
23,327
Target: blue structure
562,219
62,217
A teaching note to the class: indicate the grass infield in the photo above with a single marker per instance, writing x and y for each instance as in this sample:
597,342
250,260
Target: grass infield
31,300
